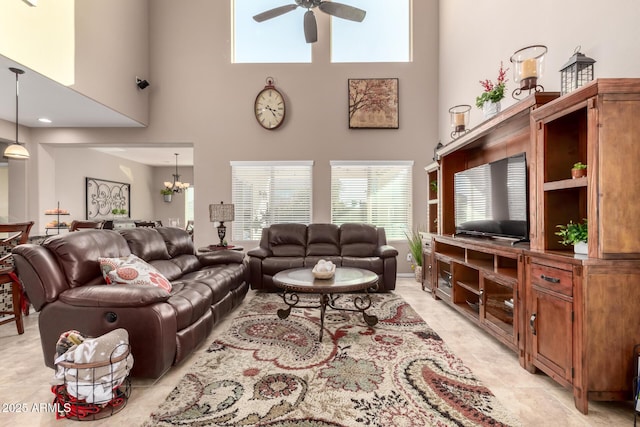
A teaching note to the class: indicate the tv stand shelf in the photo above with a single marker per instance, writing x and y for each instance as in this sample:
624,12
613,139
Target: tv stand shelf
484,284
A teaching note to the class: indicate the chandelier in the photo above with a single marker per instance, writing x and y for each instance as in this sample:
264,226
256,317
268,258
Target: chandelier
176,186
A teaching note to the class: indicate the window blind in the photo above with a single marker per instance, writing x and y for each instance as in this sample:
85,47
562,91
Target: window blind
374,192
266,193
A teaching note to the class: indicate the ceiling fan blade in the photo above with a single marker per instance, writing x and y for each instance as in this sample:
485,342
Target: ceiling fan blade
343,11
310,27
272,13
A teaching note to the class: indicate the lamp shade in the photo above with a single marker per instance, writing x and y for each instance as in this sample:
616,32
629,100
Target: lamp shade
221,212
16,151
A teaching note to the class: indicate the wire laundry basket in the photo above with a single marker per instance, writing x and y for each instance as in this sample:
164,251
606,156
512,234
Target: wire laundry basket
92,391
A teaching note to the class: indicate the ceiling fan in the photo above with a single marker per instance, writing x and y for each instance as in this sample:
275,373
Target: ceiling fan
338,10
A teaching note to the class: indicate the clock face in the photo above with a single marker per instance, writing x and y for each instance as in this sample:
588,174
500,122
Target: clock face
269,108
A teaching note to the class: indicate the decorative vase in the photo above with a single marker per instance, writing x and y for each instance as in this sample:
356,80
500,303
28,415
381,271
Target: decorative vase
580,248
167,198
490,109
418,272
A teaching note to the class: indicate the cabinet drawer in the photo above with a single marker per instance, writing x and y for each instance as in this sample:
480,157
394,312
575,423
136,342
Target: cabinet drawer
554,279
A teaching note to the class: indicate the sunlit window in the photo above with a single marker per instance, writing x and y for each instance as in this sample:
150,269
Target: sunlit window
383,36
276,40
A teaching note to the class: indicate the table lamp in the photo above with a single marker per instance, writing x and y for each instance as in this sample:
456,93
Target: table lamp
221,213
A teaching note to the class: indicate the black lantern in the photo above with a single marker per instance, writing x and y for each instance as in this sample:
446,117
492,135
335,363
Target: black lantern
576,73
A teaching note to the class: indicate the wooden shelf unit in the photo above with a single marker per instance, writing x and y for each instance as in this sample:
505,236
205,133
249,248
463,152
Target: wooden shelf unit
433,199
583,313
574,317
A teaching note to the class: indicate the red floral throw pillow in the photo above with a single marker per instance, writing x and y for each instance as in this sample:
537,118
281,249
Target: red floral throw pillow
132,270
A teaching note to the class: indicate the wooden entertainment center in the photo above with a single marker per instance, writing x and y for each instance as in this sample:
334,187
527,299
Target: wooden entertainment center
574,317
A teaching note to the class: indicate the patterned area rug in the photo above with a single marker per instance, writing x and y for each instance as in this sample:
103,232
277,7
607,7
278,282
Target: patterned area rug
272,372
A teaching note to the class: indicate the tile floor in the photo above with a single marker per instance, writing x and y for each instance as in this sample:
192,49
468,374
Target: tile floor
535,399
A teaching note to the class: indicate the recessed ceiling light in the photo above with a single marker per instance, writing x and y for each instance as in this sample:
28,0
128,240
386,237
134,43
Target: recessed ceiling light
44,120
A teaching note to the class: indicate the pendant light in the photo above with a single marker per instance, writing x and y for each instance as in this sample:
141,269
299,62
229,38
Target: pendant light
15,150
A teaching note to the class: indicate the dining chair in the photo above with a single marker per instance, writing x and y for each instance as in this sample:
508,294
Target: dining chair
16,234
82,224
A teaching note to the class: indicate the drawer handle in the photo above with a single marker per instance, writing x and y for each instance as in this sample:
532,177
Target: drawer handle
549,279
532,323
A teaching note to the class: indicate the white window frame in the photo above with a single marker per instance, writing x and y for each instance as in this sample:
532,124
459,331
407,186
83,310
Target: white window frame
399,206
261,199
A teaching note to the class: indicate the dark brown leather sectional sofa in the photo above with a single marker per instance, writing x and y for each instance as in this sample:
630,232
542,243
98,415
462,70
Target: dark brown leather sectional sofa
285,246
63,281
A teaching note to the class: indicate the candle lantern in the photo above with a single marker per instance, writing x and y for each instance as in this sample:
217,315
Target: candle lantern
459,117
528,67
576,72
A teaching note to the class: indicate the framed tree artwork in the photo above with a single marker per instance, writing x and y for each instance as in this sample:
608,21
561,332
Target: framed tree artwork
373,103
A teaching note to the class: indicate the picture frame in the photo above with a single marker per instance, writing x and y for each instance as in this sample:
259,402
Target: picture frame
103,196
373,103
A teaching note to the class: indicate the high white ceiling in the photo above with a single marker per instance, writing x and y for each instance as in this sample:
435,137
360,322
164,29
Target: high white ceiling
40,96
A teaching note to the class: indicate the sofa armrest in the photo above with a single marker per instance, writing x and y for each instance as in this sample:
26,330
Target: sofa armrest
261,253
221,257
114,296
386,251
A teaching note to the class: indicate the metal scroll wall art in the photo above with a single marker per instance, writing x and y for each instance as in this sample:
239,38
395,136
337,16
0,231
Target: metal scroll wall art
105,197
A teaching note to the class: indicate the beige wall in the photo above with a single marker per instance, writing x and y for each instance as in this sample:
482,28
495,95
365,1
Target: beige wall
41,38
4,189
475,36
68,168
112,48
199,97
176,209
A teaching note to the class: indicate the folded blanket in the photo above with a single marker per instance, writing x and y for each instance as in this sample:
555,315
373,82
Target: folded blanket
94,367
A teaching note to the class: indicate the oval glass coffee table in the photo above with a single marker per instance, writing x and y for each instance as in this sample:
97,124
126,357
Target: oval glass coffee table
345,279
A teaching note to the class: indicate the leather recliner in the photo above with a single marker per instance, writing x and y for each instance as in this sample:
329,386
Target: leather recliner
285,246
63,281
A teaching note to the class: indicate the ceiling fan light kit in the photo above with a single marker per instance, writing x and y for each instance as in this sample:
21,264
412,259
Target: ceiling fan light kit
332,8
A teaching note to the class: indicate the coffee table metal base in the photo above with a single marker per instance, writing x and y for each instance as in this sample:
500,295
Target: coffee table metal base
361,303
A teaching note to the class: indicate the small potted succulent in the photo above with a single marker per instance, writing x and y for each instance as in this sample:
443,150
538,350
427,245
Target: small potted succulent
578,170
575,234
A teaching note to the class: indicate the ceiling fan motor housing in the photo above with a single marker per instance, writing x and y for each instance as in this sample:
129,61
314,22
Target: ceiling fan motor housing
308,4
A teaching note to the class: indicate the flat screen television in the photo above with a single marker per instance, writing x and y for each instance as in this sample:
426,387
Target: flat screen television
492,199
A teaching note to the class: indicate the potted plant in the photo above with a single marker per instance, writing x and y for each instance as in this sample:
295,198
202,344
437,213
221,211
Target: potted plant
167,193
578,170
575,234
415,249
489,100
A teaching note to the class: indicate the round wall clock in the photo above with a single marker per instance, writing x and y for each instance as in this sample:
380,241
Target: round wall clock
269,107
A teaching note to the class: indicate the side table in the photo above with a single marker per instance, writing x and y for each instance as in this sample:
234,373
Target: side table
213,248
